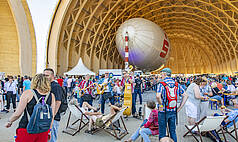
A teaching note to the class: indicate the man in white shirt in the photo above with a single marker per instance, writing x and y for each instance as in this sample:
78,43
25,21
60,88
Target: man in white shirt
231,87
10,88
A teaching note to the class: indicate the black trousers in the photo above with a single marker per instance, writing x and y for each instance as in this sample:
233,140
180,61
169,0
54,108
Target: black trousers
11,97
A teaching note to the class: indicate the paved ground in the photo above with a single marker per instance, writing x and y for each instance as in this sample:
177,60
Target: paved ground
7,135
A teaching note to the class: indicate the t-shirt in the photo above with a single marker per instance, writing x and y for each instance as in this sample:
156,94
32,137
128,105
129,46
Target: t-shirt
138,83
65,82
60,81
107,87
225,78
69,81
76,91
27,84
231,88
57,90
118,89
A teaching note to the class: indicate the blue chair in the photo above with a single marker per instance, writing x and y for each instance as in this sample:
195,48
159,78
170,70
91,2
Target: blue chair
212,102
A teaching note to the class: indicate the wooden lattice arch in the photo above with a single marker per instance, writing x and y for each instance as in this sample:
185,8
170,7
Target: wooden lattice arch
203,33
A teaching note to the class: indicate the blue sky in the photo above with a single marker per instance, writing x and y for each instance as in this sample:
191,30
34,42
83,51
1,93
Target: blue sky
41,12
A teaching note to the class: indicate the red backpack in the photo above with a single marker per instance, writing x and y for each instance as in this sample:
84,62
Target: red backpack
171,95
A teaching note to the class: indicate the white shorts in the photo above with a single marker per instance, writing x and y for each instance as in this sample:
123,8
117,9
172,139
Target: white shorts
94,117
191,109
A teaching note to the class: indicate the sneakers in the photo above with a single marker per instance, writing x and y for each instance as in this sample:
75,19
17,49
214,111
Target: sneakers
4,110
89,132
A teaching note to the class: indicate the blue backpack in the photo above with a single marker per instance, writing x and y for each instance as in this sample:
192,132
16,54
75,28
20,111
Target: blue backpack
41,118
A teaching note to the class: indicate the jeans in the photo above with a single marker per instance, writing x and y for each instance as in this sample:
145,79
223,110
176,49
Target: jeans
144,132
219,98
18,95
66,89
138,91
133,103
111,99
54,131
11,97
171,120
81,100
69,90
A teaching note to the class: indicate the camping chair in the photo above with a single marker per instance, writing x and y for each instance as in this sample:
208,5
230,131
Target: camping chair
224,129
81,118
206,124
115,118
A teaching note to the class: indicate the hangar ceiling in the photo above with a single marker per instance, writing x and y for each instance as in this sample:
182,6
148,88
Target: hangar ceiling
203,33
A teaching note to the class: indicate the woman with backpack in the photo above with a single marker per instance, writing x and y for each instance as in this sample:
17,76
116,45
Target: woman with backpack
38,106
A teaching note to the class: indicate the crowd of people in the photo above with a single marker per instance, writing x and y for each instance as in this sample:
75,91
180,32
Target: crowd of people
54,91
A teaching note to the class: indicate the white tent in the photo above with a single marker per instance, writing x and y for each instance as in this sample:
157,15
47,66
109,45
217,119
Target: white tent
80,69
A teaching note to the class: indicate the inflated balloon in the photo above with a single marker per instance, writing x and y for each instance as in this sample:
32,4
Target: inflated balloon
149,46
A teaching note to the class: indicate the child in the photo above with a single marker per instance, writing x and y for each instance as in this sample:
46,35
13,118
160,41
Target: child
149,127
117,90
76,92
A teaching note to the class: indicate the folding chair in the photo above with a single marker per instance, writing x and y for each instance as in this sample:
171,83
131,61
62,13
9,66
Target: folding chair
115,118
81,118
206,124
224,129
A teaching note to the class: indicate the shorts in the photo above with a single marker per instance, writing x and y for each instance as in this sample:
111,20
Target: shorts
104,118
191,110
23,136
94,117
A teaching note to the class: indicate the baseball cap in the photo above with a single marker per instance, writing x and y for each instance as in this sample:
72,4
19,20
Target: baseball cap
167,70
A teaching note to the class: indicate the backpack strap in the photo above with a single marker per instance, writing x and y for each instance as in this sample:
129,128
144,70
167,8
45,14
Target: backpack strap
37,101
35,96
176,84
46,97
164,84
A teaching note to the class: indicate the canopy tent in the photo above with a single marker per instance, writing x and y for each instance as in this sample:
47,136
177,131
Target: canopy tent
80,69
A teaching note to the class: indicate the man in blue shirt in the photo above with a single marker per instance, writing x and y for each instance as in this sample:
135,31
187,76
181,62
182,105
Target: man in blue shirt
26,83
168,105
65,84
